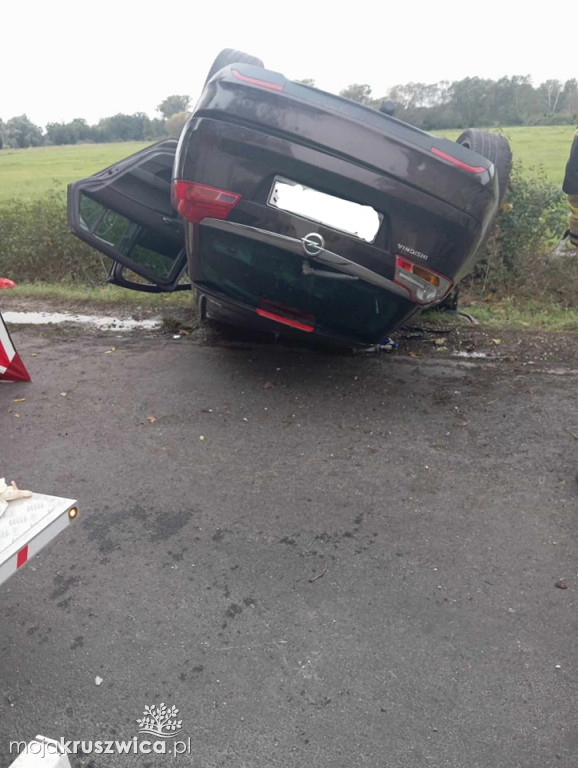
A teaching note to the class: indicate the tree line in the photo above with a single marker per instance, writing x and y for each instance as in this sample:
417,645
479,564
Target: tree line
475,102
20,132
468,103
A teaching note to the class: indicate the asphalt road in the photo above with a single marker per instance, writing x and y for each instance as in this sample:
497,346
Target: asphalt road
319,560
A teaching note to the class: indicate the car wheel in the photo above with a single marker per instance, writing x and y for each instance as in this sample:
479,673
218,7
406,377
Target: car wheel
231,56
494,148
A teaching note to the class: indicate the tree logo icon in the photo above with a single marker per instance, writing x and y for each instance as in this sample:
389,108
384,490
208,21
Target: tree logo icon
160,721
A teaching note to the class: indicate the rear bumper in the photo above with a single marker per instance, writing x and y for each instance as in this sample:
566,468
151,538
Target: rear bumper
223,309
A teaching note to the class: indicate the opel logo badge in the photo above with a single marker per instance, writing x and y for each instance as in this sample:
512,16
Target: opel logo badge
313,244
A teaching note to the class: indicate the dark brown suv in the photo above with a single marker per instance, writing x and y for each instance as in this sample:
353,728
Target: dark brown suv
296,211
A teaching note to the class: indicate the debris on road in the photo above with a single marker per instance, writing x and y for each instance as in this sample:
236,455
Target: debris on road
319,575
387,345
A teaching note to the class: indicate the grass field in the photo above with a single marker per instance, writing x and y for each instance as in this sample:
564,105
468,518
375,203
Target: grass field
33,172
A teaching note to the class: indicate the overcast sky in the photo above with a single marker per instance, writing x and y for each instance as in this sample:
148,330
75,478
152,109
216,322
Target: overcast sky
62,59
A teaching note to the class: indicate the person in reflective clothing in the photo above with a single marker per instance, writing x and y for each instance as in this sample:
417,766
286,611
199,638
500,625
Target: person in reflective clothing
570,187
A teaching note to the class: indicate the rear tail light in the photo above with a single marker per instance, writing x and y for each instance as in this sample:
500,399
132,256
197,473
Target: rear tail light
424,285
196,202
255,81
460,163
287,316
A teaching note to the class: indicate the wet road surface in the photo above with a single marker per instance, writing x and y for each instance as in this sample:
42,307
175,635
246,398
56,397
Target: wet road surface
318,559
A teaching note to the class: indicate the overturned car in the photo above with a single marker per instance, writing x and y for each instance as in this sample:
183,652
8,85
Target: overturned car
296,211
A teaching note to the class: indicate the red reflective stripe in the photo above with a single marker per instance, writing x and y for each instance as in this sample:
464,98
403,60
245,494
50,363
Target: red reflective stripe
254,81
285,320
22,557
459,163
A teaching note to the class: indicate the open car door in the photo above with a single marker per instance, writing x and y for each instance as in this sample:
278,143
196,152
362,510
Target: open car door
125,212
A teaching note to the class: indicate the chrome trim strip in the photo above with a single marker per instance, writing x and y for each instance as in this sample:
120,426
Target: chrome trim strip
295,245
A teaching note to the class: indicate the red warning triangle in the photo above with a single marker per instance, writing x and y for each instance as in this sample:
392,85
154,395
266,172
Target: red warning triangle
4,359
11,366
16,370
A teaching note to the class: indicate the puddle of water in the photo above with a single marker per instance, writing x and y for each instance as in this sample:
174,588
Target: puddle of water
462,353
97,321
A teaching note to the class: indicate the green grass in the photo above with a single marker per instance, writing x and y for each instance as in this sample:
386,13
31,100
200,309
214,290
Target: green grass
30,173
102,296
544,147
517,314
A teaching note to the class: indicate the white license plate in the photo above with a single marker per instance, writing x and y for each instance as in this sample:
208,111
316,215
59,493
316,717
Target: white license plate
361,221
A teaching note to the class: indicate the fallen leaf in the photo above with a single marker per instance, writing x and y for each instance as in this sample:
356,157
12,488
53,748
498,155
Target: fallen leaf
496,341
63,394
201,437
19,400
16,415
108,351
561,584
152,419
440,342
268,385
33,354
462,423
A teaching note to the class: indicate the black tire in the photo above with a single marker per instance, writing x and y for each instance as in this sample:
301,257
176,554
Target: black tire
231,56
494,148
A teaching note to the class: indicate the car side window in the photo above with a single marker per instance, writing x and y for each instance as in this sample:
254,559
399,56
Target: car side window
129,238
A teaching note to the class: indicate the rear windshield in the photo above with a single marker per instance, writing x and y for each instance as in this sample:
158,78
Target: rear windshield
257,274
